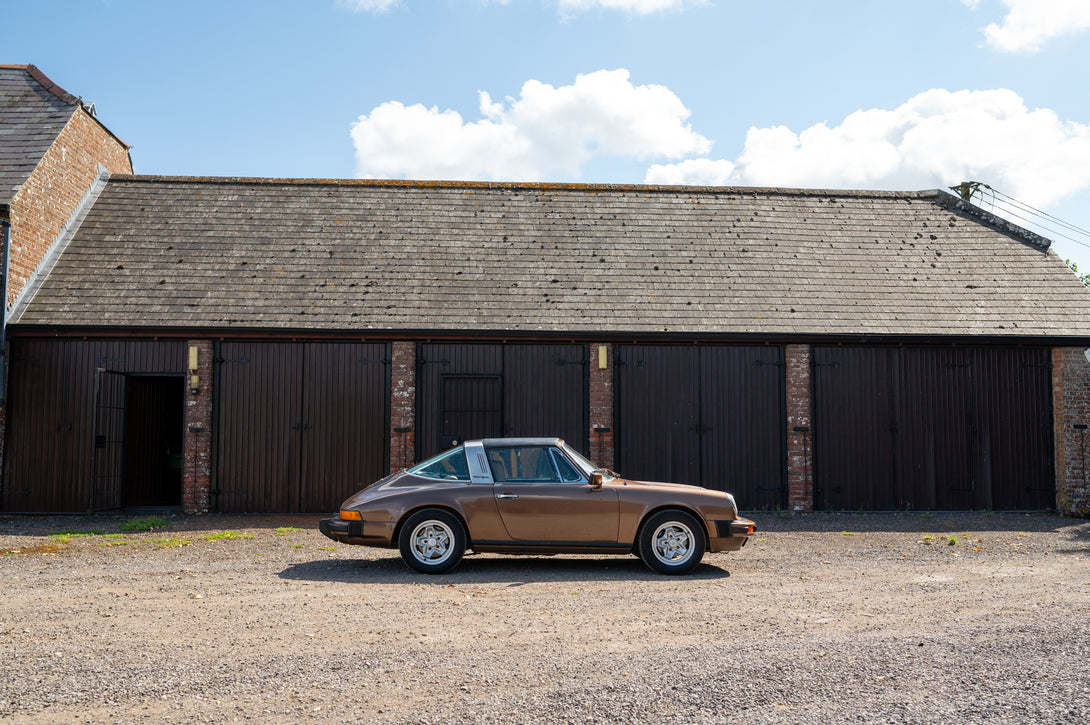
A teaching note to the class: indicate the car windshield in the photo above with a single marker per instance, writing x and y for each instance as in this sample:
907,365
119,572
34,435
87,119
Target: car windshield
588,467
449,465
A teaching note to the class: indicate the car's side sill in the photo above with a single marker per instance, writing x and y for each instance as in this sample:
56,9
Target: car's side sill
553,547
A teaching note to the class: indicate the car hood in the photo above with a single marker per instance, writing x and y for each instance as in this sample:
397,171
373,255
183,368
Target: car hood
664,486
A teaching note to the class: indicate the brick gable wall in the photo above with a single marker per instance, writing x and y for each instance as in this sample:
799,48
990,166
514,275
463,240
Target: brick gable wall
50,195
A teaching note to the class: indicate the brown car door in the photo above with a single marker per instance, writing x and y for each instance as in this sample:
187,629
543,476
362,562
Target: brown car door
536,506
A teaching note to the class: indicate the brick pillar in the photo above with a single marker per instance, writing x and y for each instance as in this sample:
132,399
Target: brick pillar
601,405
197,476
800,459
402,405
1070,418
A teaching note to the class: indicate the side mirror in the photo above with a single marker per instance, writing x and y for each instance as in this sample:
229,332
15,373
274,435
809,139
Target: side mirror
596,480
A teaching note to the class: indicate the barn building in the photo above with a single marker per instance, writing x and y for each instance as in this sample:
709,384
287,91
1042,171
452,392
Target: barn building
265,345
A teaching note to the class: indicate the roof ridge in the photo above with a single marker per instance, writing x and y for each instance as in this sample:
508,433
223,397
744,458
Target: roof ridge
535,185
986,217
45,82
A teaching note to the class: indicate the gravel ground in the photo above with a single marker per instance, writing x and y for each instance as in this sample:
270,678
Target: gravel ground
822,618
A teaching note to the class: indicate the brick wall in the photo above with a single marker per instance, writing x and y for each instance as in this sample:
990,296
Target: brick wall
1071,415
50,195
197,475
800,473
601,406
402,405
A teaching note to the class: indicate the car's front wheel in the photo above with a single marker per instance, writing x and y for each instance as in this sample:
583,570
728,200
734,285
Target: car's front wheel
671,542
432,541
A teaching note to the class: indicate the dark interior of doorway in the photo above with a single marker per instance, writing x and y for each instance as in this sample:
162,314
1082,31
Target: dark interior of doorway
153,441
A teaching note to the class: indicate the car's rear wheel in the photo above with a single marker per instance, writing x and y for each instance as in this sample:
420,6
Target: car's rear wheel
671,542
432,541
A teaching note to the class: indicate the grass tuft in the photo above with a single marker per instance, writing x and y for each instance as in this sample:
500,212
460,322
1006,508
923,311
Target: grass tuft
286,530
169,543
145,523
222,535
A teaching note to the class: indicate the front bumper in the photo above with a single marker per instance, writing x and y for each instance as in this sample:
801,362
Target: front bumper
339,530
364,533
731,535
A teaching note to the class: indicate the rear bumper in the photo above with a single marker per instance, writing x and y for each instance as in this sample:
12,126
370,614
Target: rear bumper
730,535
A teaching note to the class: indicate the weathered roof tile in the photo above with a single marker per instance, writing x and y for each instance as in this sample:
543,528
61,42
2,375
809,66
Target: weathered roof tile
33,111
547,258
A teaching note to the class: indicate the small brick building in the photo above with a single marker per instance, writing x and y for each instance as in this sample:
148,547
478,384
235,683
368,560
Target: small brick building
258,345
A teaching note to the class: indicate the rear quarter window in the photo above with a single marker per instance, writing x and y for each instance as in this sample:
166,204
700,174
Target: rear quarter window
449,466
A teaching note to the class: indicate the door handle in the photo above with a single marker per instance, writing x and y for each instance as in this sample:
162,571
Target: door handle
506,496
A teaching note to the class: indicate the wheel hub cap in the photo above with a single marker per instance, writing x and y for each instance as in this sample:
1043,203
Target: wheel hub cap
672,543
431,541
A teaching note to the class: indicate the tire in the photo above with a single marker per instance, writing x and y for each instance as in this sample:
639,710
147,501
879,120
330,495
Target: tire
672,542
432,541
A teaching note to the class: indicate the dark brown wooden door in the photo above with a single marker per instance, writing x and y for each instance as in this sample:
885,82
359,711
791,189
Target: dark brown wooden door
301,426
470,390
710,415
853,458
109,440
471,407
932,428
50,461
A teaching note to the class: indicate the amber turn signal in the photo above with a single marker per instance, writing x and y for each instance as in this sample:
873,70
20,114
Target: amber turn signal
350,515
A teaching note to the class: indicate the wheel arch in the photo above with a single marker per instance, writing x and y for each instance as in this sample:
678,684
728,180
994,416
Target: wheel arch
423,507
671,507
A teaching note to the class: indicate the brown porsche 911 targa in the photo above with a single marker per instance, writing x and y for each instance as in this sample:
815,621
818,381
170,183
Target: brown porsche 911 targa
535,496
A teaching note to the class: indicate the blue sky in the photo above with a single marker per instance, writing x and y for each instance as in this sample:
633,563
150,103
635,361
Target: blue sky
864,94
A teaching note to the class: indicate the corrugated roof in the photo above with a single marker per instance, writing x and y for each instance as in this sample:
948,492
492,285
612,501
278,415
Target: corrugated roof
397,256
33,111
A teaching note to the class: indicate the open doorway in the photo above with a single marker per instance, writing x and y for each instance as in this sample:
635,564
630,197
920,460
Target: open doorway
155,407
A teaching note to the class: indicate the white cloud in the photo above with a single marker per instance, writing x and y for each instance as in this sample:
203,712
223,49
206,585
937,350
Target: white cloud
700,172
545,133
1031,22
936,139
376,7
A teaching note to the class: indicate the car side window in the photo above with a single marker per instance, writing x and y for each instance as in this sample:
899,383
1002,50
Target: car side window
568,472
524,464
450,466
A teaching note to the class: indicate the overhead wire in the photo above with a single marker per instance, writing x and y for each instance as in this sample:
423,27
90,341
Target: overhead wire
1028,216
